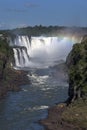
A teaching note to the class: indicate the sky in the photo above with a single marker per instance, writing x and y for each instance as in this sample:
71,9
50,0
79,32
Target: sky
22,13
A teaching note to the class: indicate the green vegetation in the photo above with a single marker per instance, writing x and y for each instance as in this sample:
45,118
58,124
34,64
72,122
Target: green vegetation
5,50
76,112
78,70
38,30
45,30
6,55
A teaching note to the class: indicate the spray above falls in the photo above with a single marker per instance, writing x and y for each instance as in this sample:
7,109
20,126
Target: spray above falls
40,51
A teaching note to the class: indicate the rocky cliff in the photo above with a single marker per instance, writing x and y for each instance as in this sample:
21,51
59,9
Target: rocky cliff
76,113
77,64
10,79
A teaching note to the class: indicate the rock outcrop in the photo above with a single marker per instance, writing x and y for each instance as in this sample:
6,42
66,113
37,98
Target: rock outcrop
77,64
10,79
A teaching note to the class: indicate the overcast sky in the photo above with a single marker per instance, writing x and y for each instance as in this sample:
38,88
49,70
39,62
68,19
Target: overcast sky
19,13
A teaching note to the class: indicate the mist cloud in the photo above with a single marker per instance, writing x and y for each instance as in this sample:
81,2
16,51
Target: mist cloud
31,5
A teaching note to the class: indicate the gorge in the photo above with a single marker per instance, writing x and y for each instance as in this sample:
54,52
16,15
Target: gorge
43,58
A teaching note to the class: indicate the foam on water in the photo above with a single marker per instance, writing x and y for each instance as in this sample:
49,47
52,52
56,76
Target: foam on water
36,108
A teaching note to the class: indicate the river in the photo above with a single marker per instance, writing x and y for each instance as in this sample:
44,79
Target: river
22,110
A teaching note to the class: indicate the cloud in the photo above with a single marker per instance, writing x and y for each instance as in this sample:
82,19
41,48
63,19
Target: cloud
3,25
31,5
16,10
11,26
22,25
22,9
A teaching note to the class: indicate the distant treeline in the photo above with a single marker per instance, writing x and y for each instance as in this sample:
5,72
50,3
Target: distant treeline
46,30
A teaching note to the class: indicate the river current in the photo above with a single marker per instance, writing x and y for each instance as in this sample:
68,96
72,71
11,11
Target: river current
22,110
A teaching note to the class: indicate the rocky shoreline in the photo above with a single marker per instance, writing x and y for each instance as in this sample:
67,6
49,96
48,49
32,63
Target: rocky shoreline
54,120
15,79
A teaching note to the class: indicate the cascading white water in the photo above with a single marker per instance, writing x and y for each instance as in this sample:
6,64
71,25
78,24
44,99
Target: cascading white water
16,57
40,51
21,57
26,58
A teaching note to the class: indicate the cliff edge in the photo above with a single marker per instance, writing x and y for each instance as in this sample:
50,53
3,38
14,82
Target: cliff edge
72,115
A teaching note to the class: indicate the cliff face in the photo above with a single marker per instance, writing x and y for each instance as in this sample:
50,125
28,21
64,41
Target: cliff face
77,64
76,112
10,79
6,55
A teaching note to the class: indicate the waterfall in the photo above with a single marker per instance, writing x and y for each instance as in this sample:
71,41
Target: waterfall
40,51
16,57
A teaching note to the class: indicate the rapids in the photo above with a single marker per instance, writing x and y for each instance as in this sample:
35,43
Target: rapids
22,110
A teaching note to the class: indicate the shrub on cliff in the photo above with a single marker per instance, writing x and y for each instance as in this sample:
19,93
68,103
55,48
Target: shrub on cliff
76,113
6,55
5,49
77,63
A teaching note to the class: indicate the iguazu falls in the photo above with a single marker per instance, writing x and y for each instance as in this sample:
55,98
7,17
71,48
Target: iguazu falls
43,65
40,51
43,58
